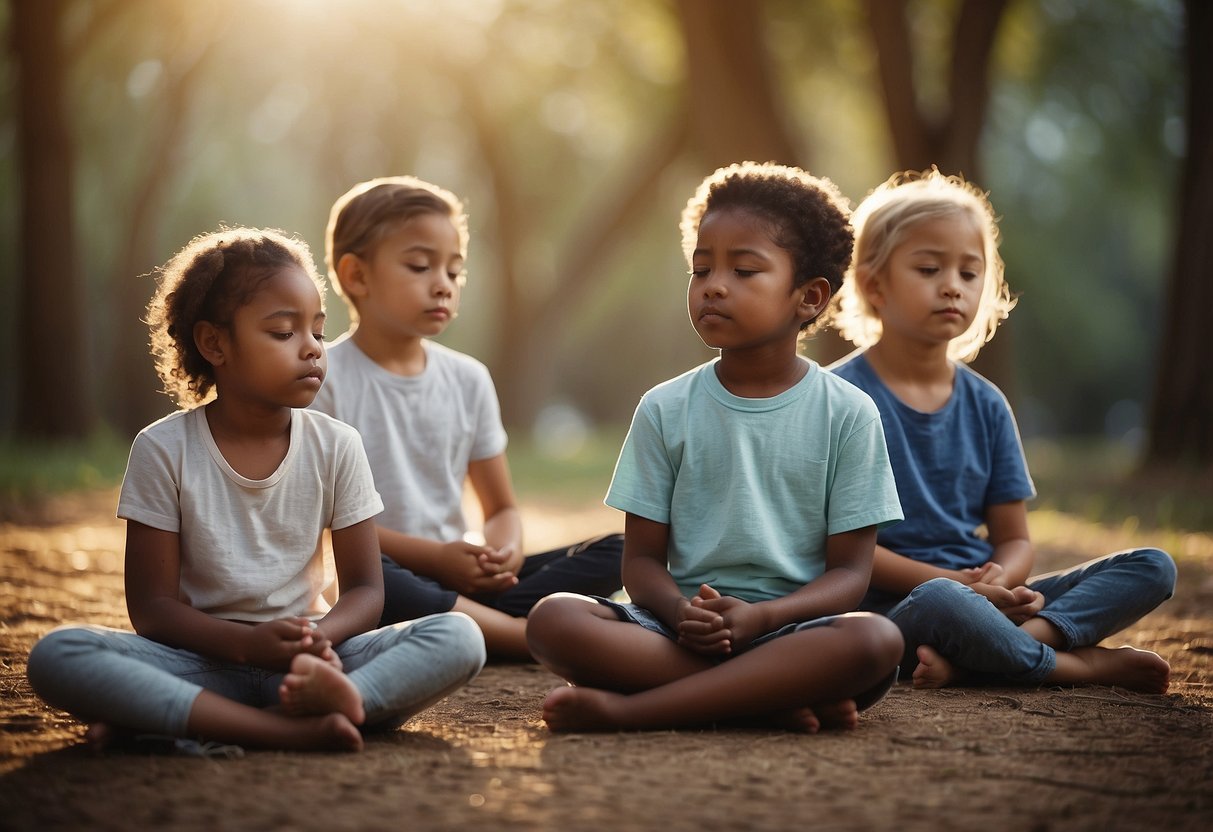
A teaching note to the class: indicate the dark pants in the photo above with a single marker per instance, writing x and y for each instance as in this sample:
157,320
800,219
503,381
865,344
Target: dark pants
591,567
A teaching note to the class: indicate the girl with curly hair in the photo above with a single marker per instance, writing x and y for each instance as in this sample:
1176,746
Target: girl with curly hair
226,502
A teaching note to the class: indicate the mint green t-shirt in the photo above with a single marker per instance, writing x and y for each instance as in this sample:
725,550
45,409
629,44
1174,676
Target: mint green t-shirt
751,488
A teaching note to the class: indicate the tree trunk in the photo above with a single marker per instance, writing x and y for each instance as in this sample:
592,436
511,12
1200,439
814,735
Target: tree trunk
134,398
1181,418
54,398
733,104
950,139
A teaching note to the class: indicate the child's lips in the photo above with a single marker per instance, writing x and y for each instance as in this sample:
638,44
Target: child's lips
439,312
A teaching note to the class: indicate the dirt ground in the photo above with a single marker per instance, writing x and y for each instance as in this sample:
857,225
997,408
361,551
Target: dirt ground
997,759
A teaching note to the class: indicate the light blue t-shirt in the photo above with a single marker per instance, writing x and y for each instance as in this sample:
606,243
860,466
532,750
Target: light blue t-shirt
751,488
950,466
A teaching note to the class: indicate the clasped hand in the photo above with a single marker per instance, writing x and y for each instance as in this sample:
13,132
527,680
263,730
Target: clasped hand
1018,603
273,644
712,624
474,570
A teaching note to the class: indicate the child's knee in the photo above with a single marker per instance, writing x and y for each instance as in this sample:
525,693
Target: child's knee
549,621
876,637
1159,568
939,598
52,650
462,639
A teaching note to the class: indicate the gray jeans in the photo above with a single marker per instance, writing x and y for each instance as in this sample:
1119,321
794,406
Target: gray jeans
99,674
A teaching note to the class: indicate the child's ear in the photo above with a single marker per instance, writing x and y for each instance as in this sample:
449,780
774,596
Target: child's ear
351,274
869,286
815,296
208,339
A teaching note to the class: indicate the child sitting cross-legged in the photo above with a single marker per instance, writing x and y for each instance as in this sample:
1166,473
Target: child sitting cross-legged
428,415
753,487
225,504
925,293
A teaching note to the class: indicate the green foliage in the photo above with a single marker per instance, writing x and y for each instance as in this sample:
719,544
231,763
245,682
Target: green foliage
1081,158
30,471
1100,482
576,477
293,102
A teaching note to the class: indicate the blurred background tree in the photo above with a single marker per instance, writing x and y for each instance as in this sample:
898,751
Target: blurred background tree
575,132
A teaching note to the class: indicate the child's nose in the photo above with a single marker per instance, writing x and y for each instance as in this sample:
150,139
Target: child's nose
313,347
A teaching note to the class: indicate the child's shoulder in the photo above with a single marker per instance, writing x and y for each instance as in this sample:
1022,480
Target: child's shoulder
978,386
842,394
444,356
853,367
326,427
172,426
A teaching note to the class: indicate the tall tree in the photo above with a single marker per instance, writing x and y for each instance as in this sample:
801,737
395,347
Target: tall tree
943,133
134,399
1181,419
728,111
54,399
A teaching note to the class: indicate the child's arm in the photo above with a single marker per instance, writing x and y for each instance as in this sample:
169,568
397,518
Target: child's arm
153,577
455,564
899,574
494,489
465,567
359,580
1008,527
838,589
1013,553
646,577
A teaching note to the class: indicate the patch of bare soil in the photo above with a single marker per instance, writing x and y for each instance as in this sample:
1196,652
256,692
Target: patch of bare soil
962,758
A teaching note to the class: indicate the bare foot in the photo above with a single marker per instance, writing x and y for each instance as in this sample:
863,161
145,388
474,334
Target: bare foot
1125,667
332,732
800,720
315,687
570,708
933,671
842,714
99,736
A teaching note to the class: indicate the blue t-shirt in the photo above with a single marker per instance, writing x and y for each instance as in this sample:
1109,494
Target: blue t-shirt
751,488
950,466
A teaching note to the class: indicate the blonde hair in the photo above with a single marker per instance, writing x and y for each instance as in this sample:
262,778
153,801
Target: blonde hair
367,212
882,222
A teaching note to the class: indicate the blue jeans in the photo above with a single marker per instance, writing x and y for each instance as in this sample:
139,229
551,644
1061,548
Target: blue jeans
99,674
1086,603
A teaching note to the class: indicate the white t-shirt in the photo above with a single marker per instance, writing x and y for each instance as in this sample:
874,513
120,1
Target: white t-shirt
250,549
420,432
751,488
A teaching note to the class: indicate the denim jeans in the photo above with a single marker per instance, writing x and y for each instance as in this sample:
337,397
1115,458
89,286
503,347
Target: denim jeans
118,677
1086,603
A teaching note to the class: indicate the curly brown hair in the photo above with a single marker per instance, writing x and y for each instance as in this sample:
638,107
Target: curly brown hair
208,280
808,215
